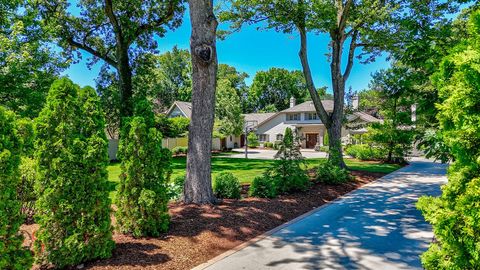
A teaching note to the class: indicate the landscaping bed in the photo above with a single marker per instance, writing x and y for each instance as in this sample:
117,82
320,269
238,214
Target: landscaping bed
199,233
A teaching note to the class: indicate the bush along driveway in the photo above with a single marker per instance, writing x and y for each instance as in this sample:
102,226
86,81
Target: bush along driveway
374,227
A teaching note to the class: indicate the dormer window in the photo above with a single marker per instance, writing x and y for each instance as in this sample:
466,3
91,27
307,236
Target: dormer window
293,117
311,116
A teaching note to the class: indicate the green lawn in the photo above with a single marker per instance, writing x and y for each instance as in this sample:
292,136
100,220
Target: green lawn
247,169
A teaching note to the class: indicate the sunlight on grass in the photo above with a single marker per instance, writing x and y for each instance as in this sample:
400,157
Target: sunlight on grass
247,169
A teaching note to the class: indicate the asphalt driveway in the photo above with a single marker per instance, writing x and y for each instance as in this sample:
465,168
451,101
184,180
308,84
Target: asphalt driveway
374,227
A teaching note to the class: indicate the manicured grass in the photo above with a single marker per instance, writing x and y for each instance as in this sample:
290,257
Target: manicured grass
247,169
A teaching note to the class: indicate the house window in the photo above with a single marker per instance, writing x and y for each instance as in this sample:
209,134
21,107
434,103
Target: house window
263,137
311,116
293,117
279,137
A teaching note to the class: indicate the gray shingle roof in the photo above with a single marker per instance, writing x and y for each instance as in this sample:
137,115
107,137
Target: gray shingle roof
259,117
185,107
367,117
308,106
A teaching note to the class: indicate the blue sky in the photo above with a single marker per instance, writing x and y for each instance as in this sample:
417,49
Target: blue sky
251,50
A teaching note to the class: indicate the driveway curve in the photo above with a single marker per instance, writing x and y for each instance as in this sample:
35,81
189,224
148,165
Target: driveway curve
374,227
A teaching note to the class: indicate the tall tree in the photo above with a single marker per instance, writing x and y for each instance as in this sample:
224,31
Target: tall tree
367,24
113,31
28,62
198,184
237,81
275,87
228,109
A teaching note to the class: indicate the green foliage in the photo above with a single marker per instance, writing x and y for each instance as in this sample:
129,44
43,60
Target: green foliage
271,90
433,145
455,214
288,171
268,144
175,187
26,188
263,187
28,63
172,127
365,152
236,80
228,110
73,207
226,185
252,140
325,139
13,256
180,150
330,174
145,170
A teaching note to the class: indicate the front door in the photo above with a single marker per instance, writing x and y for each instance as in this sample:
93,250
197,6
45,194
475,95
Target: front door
311,140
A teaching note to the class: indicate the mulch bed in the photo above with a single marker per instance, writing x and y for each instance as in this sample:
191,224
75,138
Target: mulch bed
199,233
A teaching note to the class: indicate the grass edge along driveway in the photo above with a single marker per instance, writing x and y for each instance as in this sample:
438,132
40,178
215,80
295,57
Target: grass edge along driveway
247,169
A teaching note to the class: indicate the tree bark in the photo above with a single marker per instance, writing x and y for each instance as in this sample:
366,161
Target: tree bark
125,83
198,184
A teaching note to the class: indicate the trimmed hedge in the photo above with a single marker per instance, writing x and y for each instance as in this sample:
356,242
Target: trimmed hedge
365,152
180,150
73,207
12,255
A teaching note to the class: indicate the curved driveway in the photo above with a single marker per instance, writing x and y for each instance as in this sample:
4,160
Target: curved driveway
374,227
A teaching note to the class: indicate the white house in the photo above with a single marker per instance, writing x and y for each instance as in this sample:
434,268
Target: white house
270,127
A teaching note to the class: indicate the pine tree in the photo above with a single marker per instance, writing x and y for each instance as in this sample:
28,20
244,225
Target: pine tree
73,207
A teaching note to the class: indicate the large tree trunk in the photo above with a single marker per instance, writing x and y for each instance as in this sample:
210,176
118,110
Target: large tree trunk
125,83
198,185
335,125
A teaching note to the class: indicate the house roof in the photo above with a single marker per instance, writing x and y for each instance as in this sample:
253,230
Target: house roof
367,117
309,107
185,107
259,117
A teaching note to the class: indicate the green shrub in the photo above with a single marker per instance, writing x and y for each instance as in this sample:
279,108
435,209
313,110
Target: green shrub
179,150
25,190
175,187
268,145
331,174
226,185
252,140
365,152
455,215
142,192
263,187
73,206
288,170
323,149
12,255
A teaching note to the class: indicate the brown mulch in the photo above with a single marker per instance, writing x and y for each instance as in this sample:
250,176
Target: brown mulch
199,233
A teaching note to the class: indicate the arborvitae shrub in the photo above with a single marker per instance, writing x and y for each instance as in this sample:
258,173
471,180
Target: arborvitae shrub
73,207
226,186
12,255
263,187
252,140
288,171
142,195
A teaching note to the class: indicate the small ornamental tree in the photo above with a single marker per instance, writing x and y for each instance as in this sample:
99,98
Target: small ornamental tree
73,207
142,194
252,140
287,172
12,255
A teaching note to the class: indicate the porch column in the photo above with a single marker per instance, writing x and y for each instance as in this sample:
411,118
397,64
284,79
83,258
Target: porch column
320,136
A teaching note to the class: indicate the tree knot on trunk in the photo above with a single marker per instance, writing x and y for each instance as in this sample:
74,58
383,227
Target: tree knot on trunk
204,52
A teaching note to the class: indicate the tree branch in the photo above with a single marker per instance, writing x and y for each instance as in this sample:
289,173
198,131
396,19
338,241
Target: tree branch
150,26
95,53
113,20
351,55
317,102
